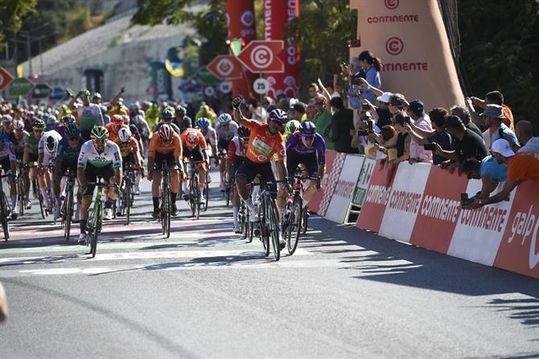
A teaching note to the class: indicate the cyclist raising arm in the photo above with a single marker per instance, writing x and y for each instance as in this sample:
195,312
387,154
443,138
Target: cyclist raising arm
99,157
265,141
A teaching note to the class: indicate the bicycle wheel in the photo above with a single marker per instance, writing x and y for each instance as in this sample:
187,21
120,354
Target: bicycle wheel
68,210
273,223
167,212
192,195
20,194
3,215
95,230
206,193
264,227
294,225
41,208
127,200
304,220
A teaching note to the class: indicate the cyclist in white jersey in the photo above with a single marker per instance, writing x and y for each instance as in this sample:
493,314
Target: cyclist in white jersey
99,157
46,149
226,129
89,114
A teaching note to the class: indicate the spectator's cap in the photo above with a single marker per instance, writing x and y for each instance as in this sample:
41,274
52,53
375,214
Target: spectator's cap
386,96
416,106
502,147
454,122
494,111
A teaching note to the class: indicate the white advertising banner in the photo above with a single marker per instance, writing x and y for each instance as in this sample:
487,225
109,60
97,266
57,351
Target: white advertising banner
404,201
339,207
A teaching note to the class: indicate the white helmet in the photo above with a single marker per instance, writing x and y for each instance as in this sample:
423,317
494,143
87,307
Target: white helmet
124,134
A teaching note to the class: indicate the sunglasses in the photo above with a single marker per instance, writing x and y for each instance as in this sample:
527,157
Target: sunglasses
308,137
38,130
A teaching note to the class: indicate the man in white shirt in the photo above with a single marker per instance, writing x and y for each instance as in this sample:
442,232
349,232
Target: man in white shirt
422,121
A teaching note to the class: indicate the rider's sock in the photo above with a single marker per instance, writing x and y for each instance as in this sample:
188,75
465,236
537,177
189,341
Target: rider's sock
173,196
235,211
83,226
155,201
13,201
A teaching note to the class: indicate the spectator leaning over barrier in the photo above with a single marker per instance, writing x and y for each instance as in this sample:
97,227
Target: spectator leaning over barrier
524,132
520,168
341,124
489,171
493,116
421,121
491,98
383,115
438,134
361,133
466,144
403,139
464,115
322,120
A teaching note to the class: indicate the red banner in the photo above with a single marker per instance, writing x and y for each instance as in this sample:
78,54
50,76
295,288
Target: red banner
372,212
277,14
326,185
241,25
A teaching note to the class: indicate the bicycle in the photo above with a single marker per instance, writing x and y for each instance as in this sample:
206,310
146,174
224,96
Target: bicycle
194,190
95,217
268,217
166,201
68,202
245,226
4,209
20,188
128,193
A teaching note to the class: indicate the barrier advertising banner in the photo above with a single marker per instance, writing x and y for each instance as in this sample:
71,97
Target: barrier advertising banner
410,39
376,199
404,202
519,248
439,211
339,206
363,182
314,204
479,232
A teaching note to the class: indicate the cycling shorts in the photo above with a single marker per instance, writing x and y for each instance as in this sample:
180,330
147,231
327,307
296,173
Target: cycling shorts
309,160
161,158
250,170
91,173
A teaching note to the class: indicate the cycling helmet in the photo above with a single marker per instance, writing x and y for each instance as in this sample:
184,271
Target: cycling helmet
191,138
72,130
124,134
83,93
165,132
307,128
168,114
51,119
224,118
203,123
38,125
67,119
278,115
99,133
244,132
292,126
106,119
18,125
6,119
96,95
187,122
117,120
180,111
51,144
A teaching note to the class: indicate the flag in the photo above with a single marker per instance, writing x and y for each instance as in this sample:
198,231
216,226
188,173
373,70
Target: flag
173,63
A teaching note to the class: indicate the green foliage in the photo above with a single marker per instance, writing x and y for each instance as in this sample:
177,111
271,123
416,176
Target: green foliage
11,14
500,50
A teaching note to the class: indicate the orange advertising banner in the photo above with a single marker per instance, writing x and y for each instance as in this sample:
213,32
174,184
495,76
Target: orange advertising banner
410,38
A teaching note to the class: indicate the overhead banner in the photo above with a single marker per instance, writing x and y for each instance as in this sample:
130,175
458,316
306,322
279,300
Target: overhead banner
241,30
277,14
410,39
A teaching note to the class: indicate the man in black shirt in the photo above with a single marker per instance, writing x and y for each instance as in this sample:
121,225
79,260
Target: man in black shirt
466,143
341,125
464,115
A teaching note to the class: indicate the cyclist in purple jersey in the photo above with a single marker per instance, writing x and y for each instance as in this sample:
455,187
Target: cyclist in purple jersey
308,148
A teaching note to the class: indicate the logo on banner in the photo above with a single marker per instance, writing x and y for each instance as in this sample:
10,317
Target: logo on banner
391,4
262,57
524,228
225,67
394,45
247,18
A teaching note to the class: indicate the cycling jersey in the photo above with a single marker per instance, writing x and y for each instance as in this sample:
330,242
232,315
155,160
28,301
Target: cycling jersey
43,140
234,149
118,110
32,144
226,133
110,156
89,116
128,147
294,144
196,135
66,153
211,136
113,130
158,146
263,145
7,151
19,143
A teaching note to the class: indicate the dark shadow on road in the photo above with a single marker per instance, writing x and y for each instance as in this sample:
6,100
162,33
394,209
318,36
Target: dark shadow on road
524,310
41,260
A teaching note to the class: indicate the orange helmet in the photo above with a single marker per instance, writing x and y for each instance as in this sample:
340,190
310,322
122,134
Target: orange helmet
117,120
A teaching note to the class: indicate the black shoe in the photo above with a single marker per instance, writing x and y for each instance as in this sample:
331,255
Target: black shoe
282,243
156,214
13,215
174,210
186,196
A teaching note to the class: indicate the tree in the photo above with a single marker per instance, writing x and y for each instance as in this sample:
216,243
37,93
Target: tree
11,14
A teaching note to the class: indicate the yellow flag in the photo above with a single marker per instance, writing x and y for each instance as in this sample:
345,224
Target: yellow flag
20,71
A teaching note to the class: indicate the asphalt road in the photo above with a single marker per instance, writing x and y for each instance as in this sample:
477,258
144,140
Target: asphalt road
205,293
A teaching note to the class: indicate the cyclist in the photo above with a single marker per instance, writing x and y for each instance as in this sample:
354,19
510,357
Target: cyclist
7,126
226,129
179,115
152,115
8,163
203,124
290,127
205,111
167,115
47,146
138,118
116,123
234,159
19,139
194,149
308,148
99,157
130,151
66,159
165,146
88,115
265,141
31,154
